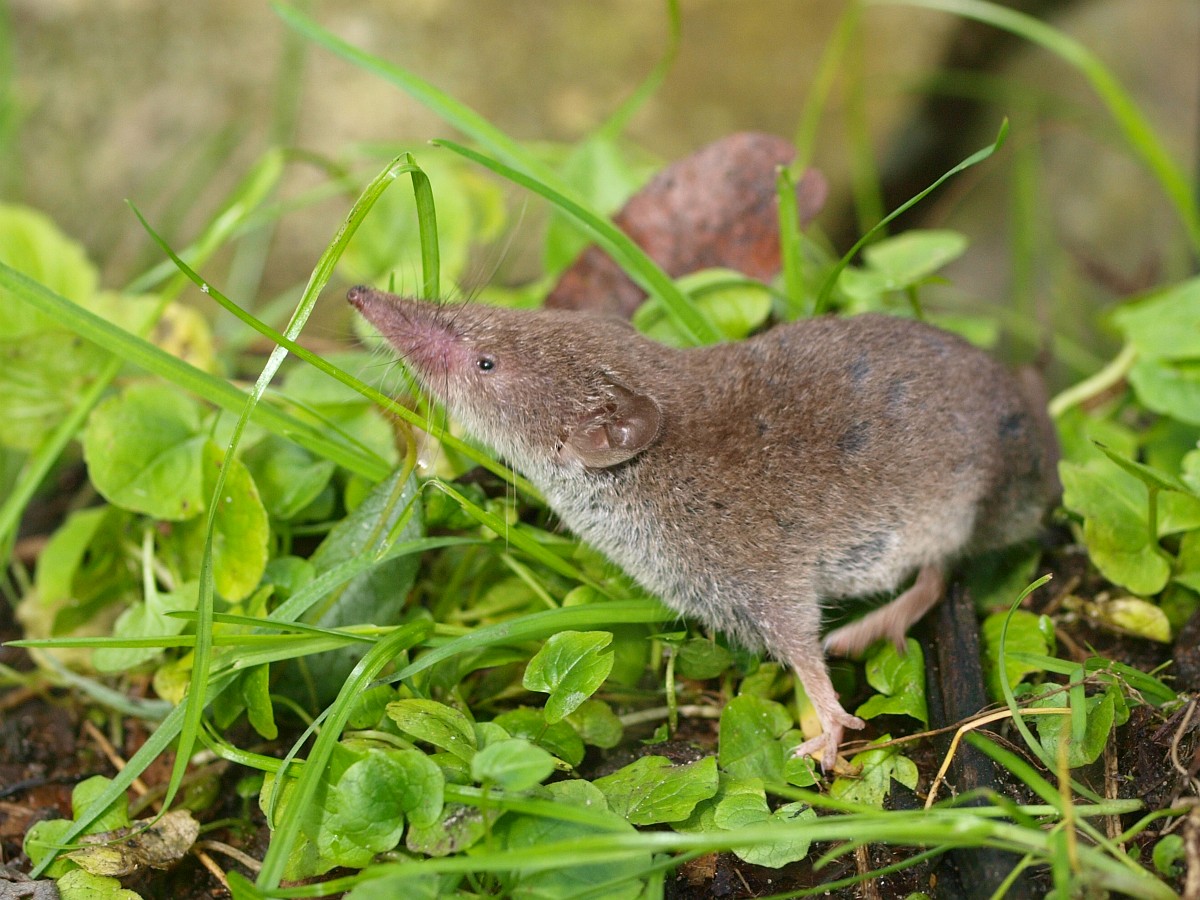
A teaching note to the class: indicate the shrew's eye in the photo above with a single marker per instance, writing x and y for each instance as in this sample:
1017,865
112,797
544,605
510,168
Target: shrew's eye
485,363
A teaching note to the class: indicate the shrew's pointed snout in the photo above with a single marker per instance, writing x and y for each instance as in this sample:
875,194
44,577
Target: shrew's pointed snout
359,295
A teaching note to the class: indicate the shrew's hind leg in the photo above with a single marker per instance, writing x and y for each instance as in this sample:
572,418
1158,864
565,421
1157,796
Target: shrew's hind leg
792,635
891,621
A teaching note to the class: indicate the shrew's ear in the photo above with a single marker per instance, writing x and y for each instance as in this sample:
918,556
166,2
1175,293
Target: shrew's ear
616,430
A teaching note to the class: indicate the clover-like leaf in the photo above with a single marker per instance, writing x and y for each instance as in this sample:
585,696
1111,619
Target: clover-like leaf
749,740
559,738
597,724
900,680
143,449
241,530
745,804
288,476
650,790
878,768
570,667
1166,325
914,255
435,723
1116,525
1053,730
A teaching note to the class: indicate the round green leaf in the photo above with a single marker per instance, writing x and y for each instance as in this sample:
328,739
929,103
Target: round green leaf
514,764
143,452
749,740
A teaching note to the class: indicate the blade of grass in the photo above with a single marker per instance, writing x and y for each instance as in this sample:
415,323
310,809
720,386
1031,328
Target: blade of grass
632,258
790,247
974,159
517,536
817,100
1134,126
202,659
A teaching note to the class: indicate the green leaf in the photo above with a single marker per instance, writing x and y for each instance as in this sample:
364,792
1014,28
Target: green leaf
1116,527
513,764
143,451
42,377
701,659
256,694
1167,855
435,723
1100,710
912,256
114,817
735,304
1025,635
1165,326
44,838
371,706
147,618
650,790
1134,616
32,244
419,786
1147,475
1167,387
900,680
745,804
241,531
559,738
81,885
879,767
64,552
570,667
749,738
458,828
597,724
288,477
365,811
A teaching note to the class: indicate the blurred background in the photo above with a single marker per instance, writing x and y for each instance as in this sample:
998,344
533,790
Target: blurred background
169,104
